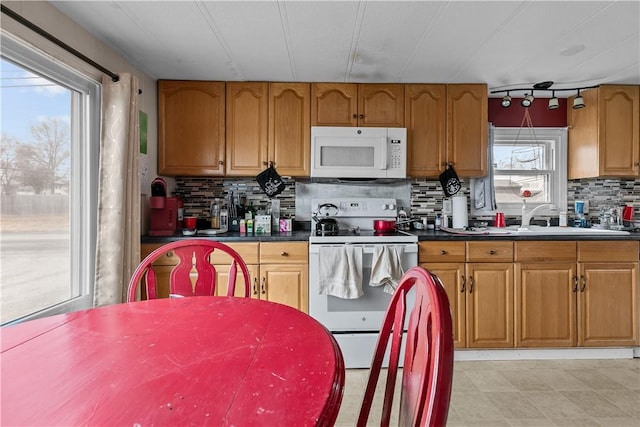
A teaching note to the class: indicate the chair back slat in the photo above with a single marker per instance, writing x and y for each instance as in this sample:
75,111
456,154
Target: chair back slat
193,274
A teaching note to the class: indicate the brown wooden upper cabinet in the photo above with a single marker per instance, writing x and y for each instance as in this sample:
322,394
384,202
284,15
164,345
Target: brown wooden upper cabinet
268,122
353,104
191,128
446,124
604,136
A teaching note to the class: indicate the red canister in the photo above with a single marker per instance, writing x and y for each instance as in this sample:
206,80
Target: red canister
499,221
627,213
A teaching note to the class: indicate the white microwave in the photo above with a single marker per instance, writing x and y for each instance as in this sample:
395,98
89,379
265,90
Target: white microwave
352,152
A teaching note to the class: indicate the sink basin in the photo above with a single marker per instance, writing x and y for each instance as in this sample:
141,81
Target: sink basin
537,230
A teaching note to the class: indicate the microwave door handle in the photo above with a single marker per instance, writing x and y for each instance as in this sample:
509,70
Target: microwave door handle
385,148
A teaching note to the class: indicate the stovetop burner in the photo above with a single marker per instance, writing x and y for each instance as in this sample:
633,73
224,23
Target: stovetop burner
354,218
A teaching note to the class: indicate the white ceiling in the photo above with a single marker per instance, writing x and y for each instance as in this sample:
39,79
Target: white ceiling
503,43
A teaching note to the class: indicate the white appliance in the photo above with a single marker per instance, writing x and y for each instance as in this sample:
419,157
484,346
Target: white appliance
355,323
351,152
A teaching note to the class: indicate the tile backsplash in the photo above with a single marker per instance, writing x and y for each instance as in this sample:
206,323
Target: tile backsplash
424,196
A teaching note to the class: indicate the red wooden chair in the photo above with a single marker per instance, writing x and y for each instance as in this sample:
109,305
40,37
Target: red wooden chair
428,360
193,275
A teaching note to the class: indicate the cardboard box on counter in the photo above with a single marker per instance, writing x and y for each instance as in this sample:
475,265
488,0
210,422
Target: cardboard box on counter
262,224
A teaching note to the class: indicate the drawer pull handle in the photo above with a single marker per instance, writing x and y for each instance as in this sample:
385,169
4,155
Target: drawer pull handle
464,283
263,289
283,253
443,252
583,283
470,284
575,284
255,286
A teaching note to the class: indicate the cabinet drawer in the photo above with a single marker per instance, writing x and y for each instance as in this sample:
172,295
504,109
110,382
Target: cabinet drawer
284,253
490,251
441,252
545,251
167,259
608,251
248,252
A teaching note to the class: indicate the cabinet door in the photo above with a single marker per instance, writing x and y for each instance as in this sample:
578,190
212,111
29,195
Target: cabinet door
289,128
191,127
467,116
425,119
381,105
286,284
489,304
222,278
452,276
545,305
608,304
334,104
619,131
247,118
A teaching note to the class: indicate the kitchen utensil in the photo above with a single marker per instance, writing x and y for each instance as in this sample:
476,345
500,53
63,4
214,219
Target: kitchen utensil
384,225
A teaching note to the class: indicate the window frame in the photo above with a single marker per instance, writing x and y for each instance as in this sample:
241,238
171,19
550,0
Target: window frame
86,99
558,176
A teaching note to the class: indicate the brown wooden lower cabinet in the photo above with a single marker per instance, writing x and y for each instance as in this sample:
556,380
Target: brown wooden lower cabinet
480,293
278,271
591,301
555,294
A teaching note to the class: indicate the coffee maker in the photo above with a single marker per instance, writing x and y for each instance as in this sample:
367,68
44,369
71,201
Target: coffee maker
164,210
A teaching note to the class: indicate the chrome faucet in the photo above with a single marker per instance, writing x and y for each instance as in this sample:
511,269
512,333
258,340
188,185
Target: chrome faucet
526,216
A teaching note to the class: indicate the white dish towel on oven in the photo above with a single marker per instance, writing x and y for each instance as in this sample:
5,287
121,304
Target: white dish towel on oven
340,271
386,267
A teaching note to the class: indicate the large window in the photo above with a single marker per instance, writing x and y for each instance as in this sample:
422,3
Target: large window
529,164
48,176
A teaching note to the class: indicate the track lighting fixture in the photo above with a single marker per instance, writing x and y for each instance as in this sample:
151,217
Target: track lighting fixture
553,101
578,101
506,101
528,99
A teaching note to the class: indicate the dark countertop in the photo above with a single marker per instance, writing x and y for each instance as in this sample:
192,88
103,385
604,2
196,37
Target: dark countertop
431,235
428,235
233,236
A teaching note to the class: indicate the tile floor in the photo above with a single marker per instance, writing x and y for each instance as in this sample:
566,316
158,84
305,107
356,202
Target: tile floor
537,393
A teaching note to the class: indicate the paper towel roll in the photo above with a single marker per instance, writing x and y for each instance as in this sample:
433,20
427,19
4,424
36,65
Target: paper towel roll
459,208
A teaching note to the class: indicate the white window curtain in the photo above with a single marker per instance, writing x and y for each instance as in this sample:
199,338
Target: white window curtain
118,240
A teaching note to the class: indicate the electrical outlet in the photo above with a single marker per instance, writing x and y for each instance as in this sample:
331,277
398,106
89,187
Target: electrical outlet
446,206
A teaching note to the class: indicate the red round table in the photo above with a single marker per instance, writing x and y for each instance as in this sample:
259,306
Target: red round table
185,361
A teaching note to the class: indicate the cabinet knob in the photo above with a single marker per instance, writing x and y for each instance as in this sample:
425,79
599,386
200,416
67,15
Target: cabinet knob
361,116
220,162
354,116
283,253
443,252
492,252
265,163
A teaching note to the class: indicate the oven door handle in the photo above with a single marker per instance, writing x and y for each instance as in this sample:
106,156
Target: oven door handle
367,249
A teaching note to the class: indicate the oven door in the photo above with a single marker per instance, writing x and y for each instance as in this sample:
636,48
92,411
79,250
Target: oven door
364,314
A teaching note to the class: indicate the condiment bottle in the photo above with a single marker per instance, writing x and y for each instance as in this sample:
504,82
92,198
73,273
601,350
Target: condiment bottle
215,214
